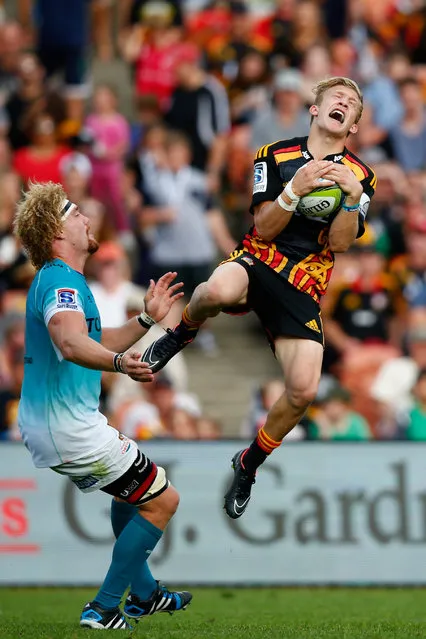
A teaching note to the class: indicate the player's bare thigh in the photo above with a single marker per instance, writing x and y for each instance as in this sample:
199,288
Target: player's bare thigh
229,284
301,361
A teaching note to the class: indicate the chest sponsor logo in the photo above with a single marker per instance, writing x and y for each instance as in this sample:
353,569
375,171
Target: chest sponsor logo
260,178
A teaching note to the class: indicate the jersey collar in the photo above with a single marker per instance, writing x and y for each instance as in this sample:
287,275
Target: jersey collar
334,157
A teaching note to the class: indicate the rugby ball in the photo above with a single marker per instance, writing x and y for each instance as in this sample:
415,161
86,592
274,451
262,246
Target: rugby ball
321,202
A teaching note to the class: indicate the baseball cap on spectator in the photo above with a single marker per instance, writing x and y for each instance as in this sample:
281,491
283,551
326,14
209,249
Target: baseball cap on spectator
109,251
288,80
77,161
157,13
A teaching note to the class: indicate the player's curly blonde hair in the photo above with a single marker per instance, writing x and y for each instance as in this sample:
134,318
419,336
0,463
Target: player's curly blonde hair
338,81
38,220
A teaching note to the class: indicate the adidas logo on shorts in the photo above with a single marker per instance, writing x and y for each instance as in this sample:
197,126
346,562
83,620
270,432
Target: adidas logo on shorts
313,325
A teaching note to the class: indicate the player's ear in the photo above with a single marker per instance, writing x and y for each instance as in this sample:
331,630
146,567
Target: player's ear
313,110
354,128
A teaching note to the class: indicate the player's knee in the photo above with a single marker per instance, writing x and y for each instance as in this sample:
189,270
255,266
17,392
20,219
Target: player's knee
170,501
300,398
222,293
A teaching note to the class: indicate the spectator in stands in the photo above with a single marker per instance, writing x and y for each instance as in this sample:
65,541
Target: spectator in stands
365,309
40,161
188,242
152,44
111,133
148,113
200,108
10,394
112,284
263,400
30,99
286,118
12,44
226,49
408,138
413,424
333,418
12,341
62,37
248,93
392,386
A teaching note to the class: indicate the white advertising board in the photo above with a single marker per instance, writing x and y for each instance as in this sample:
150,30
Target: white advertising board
320,514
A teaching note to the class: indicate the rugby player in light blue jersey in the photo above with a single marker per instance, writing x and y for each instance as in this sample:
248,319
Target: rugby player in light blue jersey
66,349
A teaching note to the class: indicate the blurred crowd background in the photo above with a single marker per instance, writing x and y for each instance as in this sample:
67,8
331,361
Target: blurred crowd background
150,113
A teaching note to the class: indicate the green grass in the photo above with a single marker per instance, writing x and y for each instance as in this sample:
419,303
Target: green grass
230,613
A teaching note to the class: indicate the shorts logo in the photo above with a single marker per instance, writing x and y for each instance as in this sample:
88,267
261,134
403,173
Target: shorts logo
125,443
260,178
66,297
85,482
248,260
313,325
130,489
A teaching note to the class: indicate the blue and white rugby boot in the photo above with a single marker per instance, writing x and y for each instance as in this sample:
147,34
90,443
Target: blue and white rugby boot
161,600
93,616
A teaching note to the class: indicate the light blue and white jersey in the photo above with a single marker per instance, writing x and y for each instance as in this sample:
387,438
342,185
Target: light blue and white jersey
59,414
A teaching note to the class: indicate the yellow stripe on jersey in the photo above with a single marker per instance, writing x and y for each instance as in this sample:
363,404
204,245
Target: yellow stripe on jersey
259,153
356,170
373,182
285,157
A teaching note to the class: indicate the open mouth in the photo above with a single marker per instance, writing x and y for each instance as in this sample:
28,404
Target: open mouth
338,115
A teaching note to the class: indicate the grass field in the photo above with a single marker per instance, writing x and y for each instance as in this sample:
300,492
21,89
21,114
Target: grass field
230,613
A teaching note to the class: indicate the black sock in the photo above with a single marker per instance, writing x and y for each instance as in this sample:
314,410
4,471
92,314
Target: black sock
259,450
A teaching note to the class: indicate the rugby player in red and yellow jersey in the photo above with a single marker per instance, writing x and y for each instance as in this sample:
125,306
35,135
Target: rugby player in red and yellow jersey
284,263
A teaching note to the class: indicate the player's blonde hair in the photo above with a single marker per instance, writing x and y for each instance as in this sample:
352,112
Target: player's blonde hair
38,220
338,81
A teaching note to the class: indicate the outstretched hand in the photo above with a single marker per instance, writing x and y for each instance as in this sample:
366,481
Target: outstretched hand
135,368
161,296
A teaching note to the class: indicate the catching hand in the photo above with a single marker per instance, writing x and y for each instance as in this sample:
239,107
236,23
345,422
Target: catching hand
135,368
161,296
311,176
346,179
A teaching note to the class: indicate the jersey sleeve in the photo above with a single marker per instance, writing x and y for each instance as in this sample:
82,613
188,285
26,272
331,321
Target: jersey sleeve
369,187
267,182
59,296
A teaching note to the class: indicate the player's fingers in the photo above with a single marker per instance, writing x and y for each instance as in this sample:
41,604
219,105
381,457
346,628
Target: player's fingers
175,287
167,279
176,297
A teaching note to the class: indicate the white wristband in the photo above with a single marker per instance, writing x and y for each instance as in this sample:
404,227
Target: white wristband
287,207
289,191
145,320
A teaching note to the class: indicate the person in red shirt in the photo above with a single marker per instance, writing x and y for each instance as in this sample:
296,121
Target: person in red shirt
39,162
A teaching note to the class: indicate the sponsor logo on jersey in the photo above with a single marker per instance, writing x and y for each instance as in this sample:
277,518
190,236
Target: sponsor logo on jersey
260,178
66,298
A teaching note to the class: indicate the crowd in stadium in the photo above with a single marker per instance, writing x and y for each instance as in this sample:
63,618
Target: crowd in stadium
168,187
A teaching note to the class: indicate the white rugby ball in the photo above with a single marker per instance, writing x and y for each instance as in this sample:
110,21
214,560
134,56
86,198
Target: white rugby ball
321,202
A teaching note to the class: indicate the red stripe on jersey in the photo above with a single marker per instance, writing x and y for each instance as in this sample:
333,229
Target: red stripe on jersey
288,149
357,162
